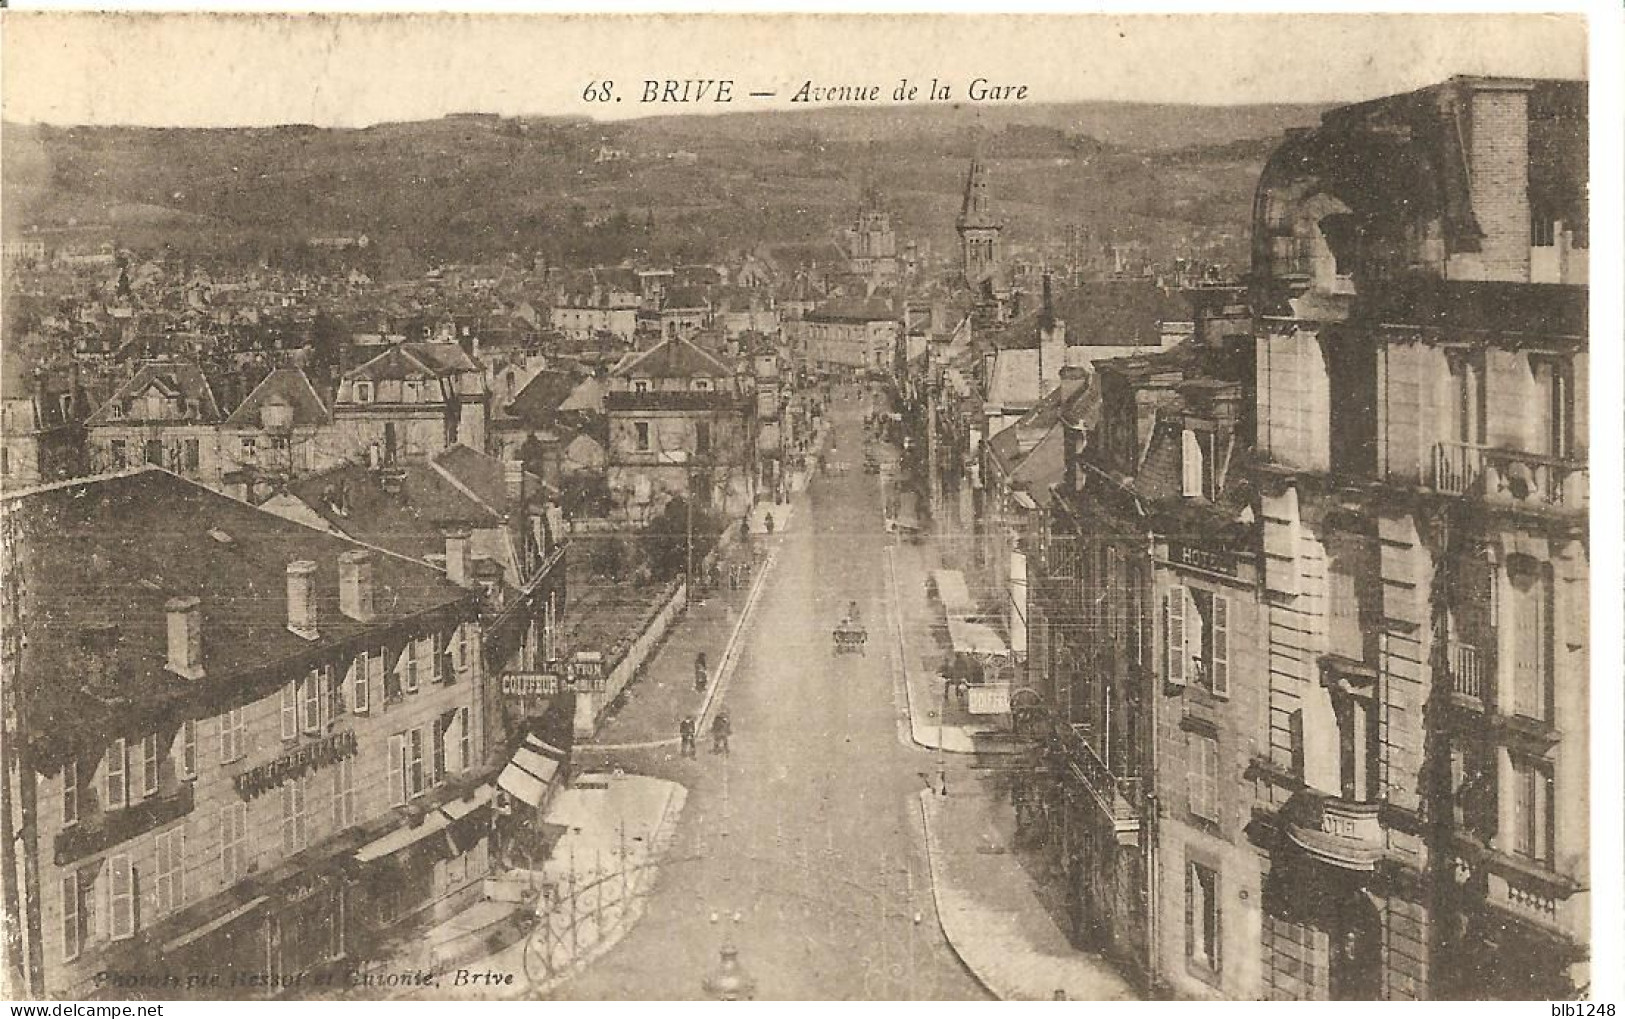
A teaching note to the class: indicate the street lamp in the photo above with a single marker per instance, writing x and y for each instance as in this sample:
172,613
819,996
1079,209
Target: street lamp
729,981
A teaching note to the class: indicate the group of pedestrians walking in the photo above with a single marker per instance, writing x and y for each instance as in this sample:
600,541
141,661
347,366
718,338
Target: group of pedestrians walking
721,729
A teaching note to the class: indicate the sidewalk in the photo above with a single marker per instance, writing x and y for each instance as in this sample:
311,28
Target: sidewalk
990,912
618,827
935,722
655,702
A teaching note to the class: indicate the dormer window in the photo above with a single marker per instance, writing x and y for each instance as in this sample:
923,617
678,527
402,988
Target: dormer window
640,385
115,411
363,392
702,385
1199,468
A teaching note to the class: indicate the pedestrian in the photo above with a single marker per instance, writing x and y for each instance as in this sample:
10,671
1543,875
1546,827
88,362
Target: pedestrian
770,522
744,529
686,731
721,729
700,676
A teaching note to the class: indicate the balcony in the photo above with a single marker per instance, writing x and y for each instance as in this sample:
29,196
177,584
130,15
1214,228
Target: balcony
1510,477
1469,672
1336,831
1120,798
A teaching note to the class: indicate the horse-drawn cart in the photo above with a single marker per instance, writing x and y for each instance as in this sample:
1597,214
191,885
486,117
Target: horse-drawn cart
850,635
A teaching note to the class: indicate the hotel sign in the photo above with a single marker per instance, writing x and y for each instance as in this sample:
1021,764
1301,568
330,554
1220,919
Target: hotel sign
311,757
1203,559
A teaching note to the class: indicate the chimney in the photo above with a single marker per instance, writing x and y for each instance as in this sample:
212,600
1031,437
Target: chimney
355,585
513,473
459,561
302,599
1498,154
185,623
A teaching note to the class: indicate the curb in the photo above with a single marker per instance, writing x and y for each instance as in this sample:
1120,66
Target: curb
914,725
931,853
724,670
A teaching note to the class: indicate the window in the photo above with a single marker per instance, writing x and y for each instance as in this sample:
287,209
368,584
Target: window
465,741
409,667
171,871
642,435
118,781
1202,916
153,452
120,898
295,820
438,756
702,385
360,689
415,778
640,385
70,793
248,451
702,437
149,765
73,916
119,451
397,769
233,842
115,412
1196,643
1532,645
310,719
462,660
1204,775
363,392
290,711
233,736
188,749
343,794
1532,816
375,671
192,457
1359,748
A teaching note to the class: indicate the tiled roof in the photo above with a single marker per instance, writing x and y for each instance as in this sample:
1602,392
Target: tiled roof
110,552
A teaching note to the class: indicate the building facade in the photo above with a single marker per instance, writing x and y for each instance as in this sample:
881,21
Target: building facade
257,778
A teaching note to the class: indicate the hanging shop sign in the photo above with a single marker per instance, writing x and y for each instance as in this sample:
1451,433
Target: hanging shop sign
530,684
311,757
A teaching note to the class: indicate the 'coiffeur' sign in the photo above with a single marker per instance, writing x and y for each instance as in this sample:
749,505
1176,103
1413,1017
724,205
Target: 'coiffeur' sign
294,764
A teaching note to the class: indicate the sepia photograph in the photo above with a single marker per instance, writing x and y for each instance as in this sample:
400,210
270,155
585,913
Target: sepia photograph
908,507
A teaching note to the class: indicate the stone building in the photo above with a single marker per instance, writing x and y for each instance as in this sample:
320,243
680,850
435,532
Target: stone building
271,756
165,415
411,401
1420,284
681,421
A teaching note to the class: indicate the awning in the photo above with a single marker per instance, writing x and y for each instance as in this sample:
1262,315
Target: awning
974,638
459,809
218,922
533,768
402,837
952,592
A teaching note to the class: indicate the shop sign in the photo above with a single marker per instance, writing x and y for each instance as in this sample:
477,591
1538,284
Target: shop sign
530,684
295,764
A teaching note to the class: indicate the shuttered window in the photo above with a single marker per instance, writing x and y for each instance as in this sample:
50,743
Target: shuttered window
170,879
73,927
1173,610
1203,775
233,842
120,898
397,769
290,711
360,688
115,771
1219,659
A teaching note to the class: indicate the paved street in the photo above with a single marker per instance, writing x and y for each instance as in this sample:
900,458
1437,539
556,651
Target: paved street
804,846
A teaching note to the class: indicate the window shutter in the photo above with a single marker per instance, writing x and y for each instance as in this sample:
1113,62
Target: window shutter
120,898
290,711
360,669
1221,646
72,937
1174,645
288,845
397,770
1190,463
118,784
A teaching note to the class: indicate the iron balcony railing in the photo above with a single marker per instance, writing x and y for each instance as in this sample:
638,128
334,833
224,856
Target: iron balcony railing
1467,670
1509,475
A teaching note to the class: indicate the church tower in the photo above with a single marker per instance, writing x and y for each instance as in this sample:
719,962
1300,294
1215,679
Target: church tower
978,228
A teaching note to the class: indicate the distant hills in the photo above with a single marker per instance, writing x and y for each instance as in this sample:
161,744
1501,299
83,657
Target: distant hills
1174,177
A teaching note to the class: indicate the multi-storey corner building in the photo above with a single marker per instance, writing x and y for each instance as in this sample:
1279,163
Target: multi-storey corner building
1420,286
237,749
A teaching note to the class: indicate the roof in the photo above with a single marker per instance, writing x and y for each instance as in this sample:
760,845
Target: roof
139,539
672,359
181,379
1013,380
853,310
1111,313
288,386
457,488
415,361
542,398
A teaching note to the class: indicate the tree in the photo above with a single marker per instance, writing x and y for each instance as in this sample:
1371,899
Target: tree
666,539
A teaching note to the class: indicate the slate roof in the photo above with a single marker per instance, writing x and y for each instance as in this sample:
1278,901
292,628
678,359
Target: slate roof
290,386
415,361
110,552
853,310
542,398
171,378
673,359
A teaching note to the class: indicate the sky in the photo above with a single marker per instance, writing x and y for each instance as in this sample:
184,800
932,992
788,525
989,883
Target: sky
214,70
